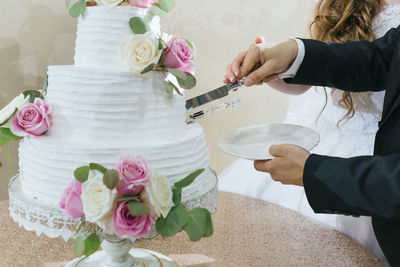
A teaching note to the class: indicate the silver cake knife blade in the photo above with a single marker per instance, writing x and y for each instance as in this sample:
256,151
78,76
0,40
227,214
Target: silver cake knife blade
212,95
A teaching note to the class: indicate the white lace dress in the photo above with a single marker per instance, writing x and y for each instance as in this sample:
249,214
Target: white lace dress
353,137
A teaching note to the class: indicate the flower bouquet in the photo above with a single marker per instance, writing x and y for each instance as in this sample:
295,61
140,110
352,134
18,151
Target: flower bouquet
127,201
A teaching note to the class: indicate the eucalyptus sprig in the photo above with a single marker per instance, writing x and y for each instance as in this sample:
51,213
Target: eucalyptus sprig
197,223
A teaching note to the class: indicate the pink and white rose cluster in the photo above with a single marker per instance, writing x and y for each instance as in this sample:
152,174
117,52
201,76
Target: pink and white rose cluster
102,206
24,118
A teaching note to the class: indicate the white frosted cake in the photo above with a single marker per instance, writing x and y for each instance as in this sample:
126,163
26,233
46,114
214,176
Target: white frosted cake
101,111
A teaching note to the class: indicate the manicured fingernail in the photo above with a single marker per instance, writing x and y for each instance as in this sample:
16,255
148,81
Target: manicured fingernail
236,73
231,79
249,82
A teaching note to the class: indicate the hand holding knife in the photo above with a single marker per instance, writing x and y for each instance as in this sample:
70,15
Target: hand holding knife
217,93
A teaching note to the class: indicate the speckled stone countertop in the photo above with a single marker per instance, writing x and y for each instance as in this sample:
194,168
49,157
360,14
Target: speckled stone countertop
247,232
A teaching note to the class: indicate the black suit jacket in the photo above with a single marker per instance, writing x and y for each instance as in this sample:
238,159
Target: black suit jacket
368,185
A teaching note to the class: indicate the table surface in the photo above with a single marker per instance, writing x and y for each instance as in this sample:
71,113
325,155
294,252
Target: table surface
247,232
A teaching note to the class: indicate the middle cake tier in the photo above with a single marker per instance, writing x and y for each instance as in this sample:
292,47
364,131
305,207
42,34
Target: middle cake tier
99,103
47,164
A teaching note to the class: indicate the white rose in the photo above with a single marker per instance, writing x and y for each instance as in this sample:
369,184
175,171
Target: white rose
139,51
109,2
98,201
16,103
157,194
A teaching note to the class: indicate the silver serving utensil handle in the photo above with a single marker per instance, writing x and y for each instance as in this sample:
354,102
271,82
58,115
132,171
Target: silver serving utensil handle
234,102
235,86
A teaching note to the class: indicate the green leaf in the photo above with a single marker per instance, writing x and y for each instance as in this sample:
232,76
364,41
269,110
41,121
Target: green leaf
6,136
192,46
46,83
209,225
166,5
196,224
176,195
174,222
67,3
170,90
82,174
95,166
138,208
148,68
161,61
32,95
126,199
111,179
92,244
81,225
185,79
78,8
188,83
139,25
188,179
173,87
177,73
156,10
160,44
79,246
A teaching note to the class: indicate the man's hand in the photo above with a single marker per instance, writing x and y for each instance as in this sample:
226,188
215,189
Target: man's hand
273,62
288,165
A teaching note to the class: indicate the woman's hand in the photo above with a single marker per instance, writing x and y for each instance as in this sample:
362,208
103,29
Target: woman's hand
233,69
273,61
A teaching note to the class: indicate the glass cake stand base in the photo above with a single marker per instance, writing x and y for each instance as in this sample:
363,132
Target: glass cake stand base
143,258
119,253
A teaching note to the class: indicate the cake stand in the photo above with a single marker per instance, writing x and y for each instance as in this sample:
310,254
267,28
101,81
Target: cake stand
42,218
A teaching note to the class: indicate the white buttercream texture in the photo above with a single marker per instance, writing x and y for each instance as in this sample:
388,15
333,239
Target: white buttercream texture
102,112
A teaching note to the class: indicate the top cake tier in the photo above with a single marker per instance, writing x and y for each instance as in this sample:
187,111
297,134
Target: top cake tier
101,32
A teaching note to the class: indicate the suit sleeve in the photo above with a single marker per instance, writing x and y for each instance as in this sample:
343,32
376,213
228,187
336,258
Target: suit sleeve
352,66
368,185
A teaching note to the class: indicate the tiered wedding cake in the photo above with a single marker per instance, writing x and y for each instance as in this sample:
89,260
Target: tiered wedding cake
101,111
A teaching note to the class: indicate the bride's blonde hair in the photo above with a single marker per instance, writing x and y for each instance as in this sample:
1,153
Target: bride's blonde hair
343,21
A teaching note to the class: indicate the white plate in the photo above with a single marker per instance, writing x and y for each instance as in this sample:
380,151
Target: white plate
253,142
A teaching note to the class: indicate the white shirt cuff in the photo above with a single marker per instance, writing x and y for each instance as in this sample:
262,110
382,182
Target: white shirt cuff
292,71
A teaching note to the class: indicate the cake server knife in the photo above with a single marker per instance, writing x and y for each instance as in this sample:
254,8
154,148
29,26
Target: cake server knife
213,95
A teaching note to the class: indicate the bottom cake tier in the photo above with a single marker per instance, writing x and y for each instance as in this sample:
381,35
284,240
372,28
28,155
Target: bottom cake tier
47,164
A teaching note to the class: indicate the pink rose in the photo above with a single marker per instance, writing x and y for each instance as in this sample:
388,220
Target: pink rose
71,200
179,55
128,226
133,174
142,3
31,120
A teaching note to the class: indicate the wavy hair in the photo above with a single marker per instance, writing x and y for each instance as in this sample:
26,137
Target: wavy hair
343,21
